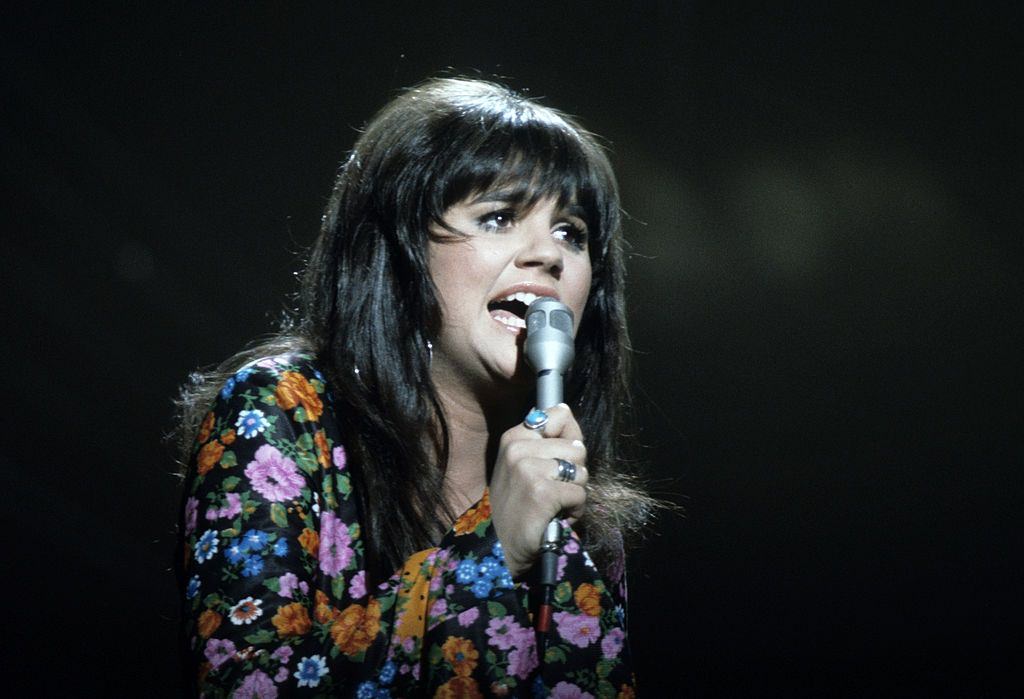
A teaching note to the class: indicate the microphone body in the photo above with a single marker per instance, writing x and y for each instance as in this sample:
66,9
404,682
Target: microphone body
550,351
549,347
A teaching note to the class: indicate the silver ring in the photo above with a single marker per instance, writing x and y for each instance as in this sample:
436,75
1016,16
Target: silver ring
535,419
566,471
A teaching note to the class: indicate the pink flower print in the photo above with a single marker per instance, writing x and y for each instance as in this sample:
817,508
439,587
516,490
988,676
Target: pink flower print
562,561
282,674
218,651
274,476
611,644
283,653
339,458
578,629
522,661
503,632
439,608
567,690
571,546
191,511
357,587
287,582
258,684
232,508
524,637
469,616
335,553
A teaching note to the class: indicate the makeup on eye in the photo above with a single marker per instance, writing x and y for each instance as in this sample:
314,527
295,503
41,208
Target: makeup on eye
569,231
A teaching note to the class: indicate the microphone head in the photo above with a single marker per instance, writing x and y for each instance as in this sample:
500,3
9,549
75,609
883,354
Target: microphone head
549,341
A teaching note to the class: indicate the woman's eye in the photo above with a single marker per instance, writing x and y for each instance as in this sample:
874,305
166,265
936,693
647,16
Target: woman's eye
497,220
572,234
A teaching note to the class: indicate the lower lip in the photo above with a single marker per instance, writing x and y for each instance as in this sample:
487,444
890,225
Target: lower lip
501,316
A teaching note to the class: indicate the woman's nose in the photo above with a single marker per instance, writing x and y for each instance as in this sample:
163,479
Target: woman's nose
540,249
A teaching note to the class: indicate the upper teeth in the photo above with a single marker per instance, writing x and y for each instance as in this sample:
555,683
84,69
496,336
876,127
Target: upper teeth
524,296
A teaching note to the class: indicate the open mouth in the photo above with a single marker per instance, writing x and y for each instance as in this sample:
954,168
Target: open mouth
510,311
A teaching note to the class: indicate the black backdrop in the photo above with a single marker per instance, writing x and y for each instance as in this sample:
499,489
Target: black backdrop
825,281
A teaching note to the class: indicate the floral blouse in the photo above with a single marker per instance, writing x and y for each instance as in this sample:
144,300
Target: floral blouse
276,598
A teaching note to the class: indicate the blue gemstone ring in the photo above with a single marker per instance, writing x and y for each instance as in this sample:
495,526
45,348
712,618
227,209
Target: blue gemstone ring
535,419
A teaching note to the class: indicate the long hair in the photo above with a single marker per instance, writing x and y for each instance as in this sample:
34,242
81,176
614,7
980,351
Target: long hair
368,307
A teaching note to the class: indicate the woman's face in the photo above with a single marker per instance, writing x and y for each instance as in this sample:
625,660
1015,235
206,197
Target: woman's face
505,257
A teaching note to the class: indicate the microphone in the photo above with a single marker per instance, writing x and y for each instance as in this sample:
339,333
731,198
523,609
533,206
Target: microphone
549,347
550,351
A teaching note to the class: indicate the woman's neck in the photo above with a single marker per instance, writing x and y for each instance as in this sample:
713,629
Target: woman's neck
474,429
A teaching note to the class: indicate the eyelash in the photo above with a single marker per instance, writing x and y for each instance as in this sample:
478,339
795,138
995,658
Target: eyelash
570,233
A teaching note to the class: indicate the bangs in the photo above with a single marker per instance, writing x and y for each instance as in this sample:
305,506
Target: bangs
526,156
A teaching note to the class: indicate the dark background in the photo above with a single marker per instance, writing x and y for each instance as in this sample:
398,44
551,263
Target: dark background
826,216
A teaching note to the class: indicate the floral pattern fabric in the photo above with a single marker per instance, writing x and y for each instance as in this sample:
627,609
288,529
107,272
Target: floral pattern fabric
276,598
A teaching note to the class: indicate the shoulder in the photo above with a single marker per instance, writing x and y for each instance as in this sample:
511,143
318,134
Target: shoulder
292,369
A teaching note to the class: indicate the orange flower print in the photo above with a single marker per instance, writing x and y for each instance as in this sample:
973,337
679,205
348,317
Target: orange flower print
310,541
292,620
294,389
462,654
206,428
588,599
356,627
626,692
459,688
474,516
209,455
228,437
208,622
323,612
323,452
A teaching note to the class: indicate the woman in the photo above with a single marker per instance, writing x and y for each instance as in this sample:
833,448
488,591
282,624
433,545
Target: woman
364,502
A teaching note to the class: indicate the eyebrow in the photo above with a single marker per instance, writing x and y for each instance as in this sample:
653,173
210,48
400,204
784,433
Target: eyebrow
508,195
517,195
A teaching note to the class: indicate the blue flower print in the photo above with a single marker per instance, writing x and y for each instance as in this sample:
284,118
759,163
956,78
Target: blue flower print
193,587
229,387
310,671
387,673
281,547
489,568
235,552
481,588
498,552
254,540
504,580
251,423
466,572
253,566
206,546
243,374
367,690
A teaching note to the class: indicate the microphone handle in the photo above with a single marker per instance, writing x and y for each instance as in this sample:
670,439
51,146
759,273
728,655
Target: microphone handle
549,389
549,394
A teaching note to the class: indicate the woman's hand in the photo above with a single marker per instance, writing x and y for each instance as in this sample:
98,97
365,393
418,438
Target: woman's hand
525,491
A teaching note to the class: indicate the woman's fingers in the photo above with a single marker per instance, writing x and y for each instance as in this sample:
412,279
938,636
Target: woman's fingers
529,454
559,423
539,474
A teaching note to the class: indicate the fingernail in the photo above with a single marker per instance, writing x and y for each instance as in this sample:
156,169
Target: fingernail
577,443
